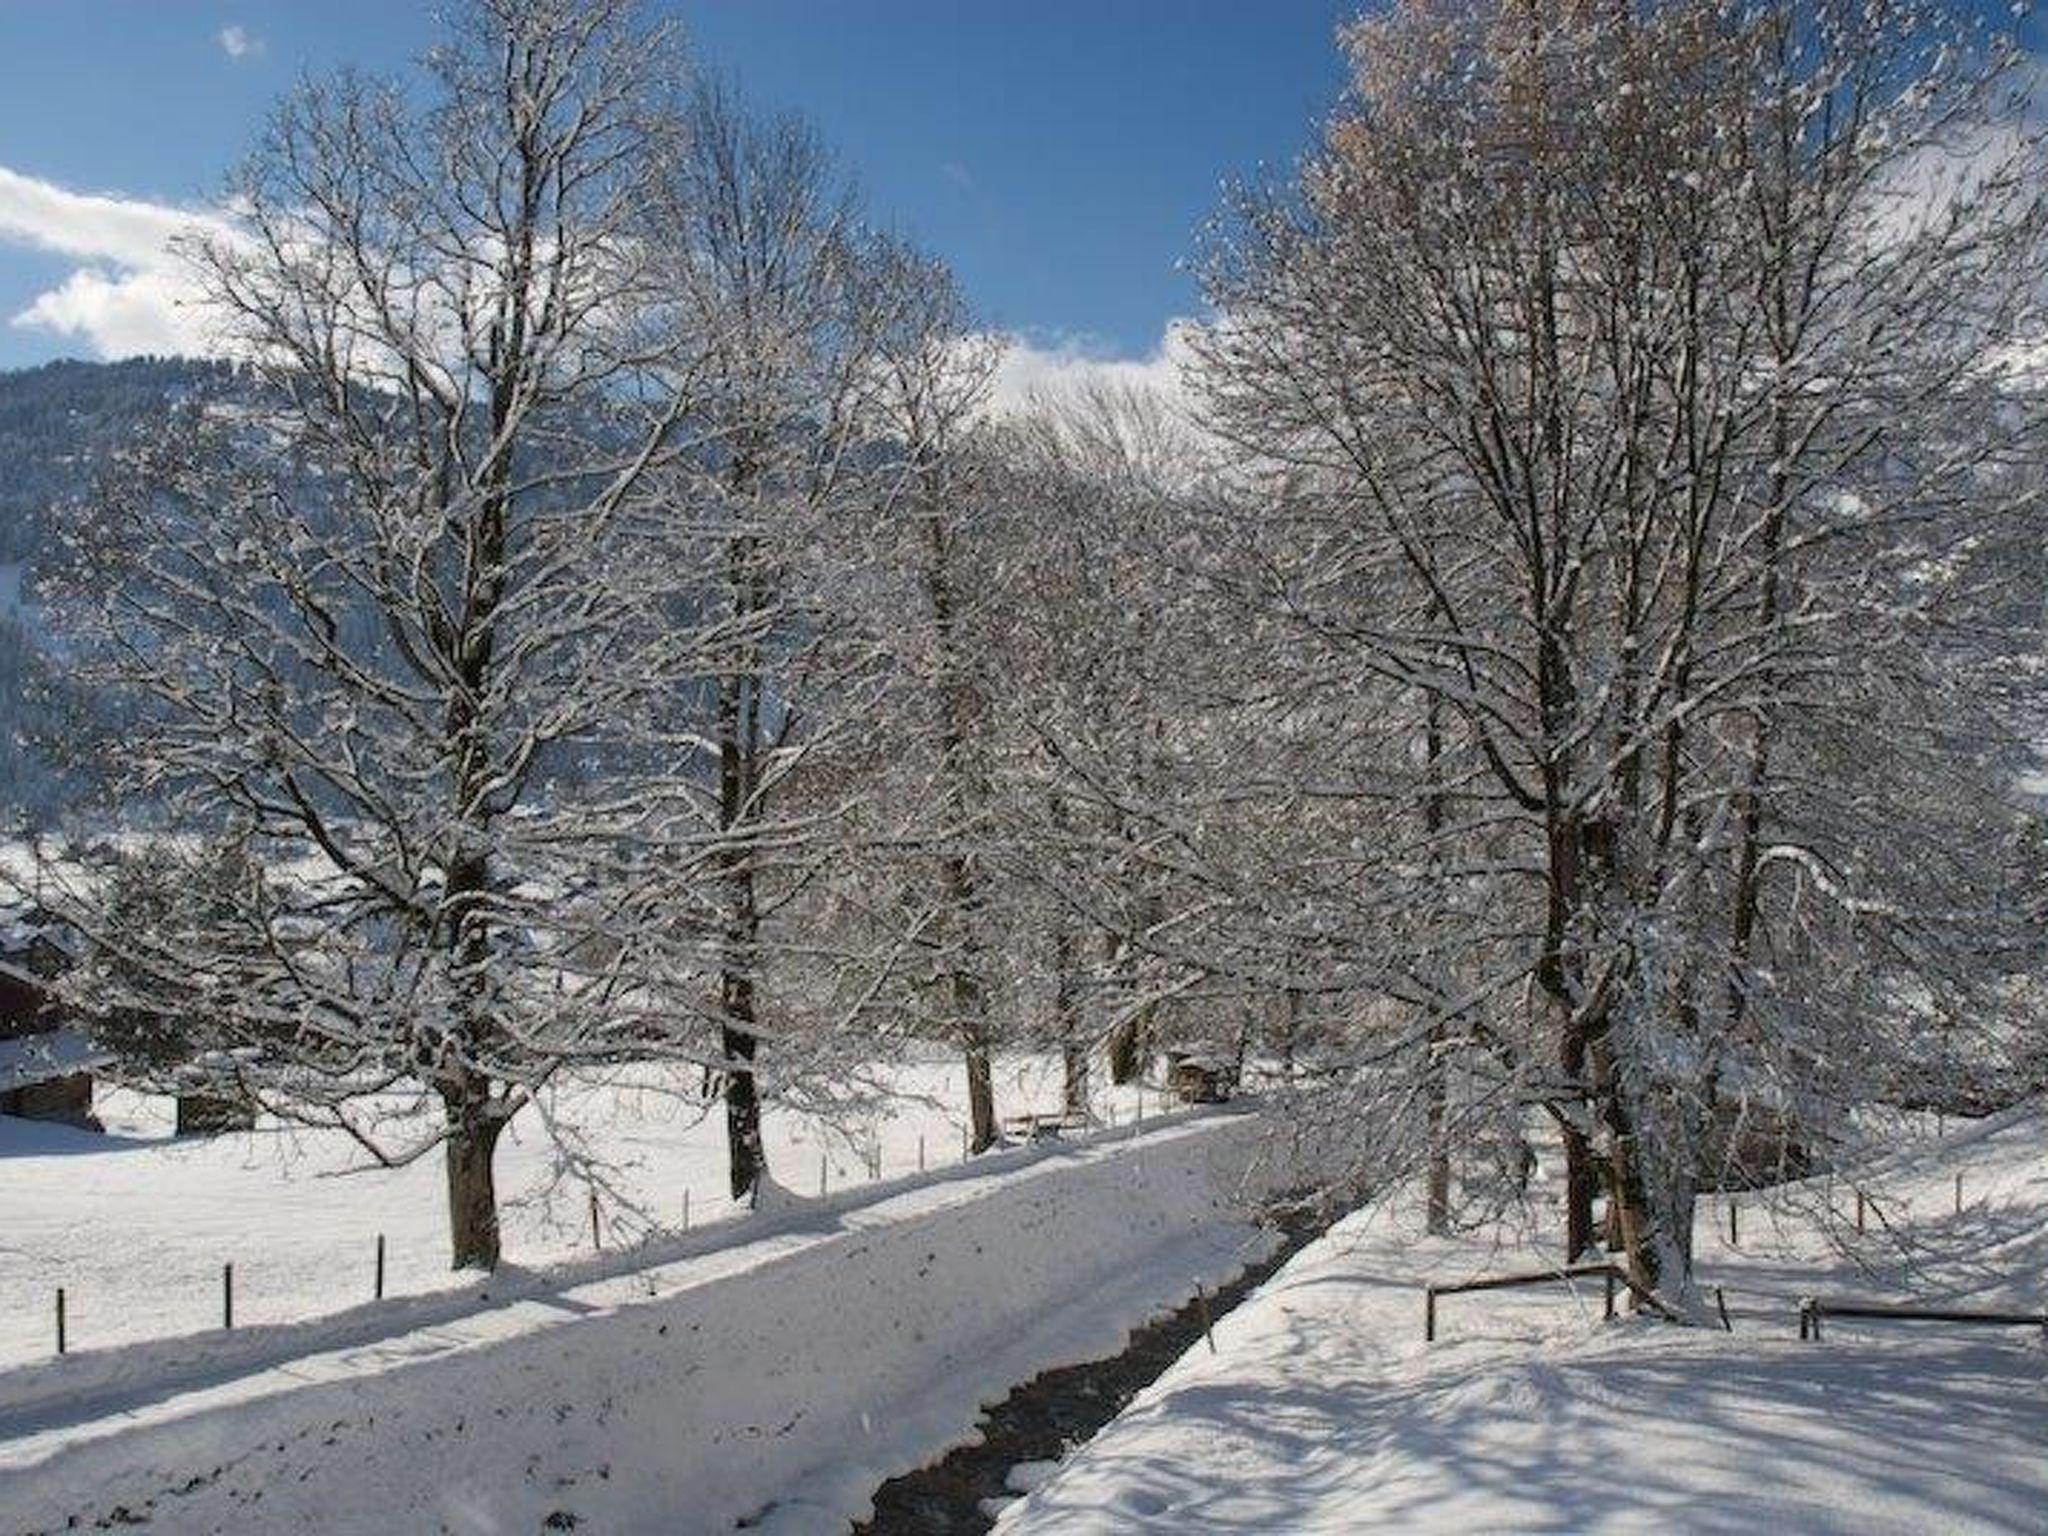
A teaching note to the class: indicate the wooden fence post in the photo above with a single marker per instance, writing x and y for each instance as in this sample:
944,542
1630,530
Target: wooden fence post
596,1233
227,1295
1959,1191
60,1320
1734,1236
686,1210
1429,1314
380,1266
920,1151
1859,1210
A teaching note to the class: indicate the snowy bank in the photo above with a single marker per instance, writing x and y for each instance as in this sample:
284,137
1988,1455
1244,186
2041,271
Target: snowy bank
1323,1410
777,1379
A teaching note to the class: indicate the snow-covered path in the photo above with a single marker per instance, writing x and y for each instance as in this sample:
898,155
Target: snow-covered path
136,1225
772,1373
1324,1411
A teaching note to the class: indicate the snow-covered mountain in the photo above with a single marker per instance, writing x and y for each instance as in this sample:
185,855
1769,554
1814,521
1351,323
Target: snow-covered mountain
59,424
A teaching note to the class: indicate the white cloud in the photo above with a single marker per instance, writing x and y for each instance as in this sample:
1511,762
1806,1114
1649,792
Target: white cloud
1036,370
128,230
130,293
121,314
239,43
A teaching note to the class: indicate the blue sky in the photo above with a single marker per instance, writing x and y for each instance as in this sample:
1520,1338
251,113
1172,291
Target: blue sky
1057,152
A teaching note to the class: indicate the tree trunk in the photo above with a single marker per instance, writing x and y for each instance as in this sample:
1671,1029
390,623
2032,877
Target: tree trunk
1629,1201
1066,1011
1066,999
473,1129
1581,1179
1127,1050
1074,1091
1635,1226
1436,1111
981,1098
739,735
1436,1087
960,715
746,1158
969,1002
1128,1041
747,1161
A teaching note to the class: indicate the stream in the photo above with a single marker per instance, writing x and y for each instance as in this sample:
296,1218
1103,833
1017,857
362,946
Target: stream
1049,1416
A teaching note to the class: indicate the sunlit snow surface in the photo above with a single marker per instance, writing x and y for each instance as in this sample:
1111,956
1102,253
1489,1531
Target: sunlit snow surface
136,1225
771,1372
1324,1411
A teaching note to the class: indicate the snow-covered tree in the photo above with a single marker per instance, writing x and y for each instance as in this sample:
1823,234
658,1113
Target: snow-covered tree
1099,511
782,296
1649,455
937,819
396,616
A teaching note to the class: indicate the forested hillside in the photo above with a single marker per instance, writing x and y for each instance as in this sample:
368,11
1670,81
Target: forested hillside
58,425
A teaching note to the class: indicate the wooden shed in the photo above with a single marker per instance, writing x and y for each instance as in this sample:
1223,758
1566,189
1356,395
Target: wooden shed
45,1068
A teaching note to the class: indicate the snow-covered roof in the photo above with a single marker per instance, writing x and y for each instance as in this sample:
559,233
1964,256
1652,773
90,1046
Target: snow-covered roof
25,927
54,1053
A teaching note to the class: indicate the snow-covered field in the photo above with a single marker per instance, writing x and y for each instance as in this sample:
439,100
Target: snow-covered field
1324,1411
781,1366
136,1225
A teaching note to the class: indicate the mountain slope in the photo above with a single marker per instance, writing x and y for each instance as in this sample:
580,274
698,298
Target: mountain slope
60,424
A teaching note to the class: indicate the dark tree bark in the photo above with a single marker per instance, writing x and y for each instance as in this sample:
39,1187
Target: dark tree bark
1436,1085
474,1125
747,1161
960,714
981,1098
1581,1182
1436,1112
1066,1012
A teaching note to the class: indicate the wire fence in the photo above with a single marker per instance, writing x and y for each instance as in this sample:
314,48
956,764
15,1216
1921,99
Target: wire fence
623,1225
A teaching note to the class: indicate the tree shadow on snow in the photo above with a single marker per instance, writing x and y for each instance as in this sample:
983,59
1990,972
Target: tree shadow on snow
1813,1438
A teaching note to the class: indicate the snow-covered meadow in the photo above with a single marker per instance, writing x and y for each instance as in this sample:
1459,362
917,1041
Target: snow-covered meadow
1323,1410
136,1225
